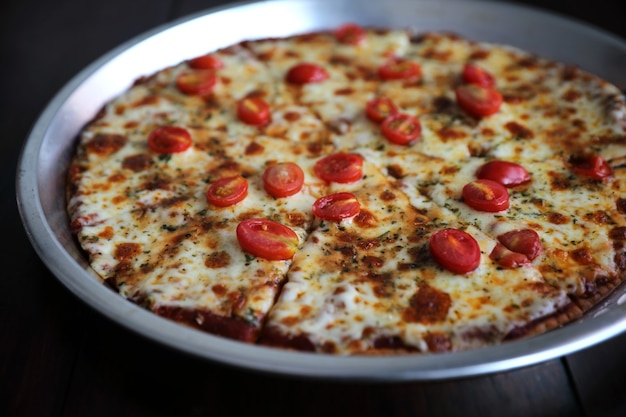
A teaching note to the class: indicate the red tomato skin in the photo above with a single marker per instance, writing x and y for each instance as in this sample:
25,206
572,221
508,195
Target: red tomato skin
200,82
592,166
350,34
475,74
478,101
267,239
524,241
340,167
508,259
169,139
306,73
486,195
394,128
208,61
283,179
455,250
506,173
400,69
227,191
379,109
254,111
336,207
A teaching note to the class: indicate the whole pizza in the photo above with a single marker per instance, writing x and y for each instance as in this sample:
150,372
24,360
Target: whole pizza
359,190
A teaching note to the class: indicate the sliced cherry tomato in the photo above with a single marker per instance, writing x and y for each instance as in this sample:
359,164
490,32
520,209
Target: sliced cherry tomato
400,69
379,109
486,195
283,179
208,61
477,100
350,33
340,167
267,239
506,258
198,82
474,74
592,166
506,173
227,191
455,250
401,128
335,207
306,73
253,111
169,139
524,241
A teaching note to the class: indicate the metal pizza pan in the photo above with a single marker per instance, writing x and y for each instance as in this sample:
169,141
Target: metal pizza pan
46,152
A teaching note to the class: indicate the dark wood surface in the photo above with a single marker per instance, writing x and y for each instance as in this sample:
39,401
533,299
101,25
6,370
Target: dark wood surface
60,358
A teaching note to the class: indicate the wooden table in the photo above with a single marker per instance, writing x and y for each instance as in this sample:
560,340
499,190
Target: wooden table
58,357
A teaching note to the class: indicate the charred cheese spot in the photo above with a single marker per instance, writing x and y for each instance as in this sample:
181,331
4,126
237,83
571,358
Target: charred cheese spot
104,144
427,306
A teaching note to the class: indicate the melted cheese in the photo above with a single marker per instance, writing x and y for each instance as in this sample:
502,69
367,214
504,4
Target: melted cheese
364,284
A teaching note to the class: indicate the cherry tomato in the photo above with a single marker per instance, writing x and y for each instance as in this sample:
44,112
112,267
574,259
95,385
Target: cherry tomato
253,111
169,139
524,241
379,109
200,82
267,239
506,258
227,191
401,128
477,100
591,166
306,73
455,250
350,33
283,179
474,74
486,195
335,207
340,167
400,69
506,173
208,61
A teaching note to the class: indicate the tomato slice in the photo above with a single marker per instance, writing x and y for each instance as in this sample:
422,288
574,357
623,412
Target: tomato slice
335,207
340,167
477,100
506,173
283,179
380,108
400,69
506,258
305,73
208,61
486,195
253,111
198,82
401,128
267,239
227,191
524,241
455,250
592,166
169,139
351,34
474,74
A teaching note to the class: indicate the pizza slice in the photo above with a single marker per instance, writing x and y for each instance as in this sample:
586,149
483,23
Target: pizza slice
384,271
533,208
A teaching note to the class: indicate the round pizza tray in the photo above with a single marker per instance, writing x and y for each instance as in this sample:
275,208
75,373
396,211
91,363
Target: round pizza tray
46,153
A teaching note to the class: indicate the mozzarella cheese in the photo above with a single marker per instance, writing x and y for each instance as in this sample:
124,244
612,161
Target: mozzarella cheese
365,284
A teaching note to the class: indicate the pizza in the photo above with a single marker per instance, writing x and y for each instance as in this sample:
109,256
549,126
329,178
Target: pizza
358,191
